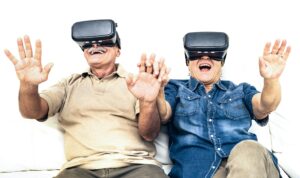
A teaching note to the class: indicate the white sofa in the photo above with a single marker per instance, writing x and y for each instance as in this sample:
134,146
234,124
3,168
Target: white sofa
36,151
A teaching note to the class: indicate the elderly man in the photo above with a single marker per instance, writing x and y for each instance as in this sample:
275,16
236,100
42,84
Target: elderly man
106,114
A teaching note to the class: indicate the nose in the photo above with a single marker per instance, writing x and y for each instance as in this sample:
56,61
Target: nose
205,57
95,45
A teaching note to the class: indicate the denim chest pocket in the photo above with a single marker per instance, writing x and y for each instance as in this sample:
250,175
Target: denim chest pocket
233,106
187,105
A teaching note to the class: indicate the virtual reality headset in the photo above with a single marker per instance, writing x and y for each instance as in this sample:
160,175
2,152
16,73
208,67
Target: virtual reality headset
211,44
100,32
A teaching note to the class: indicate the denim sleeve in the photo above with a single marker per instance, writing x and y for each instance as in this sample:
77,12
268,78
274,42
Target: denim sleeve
171,93
249,92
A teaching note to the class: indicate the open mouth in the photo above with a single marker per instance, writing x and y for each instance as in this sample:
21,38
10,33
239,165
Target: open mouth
97,50
204,67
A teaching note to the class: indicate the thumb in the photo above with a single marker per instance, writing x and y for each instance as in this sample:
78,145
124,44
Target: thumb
47,68
262,64
46,71
129,79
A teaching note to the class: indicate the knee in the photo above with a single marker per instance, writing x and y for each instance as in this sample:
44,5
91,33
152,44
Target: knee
153,171
249,146
73,172
248,150
250,156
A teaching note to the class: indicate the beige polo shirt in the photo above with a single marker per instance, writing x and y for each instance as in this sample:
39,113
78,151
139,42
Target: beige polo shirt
99,118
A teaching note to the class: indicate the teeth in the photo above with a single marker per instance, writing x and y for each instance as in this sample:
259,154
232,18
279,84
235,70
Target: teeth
100,50
204,65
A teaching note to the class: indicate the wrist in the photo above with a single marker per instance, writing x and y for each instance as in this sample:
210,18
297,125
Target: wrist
271,81
147,103
25,86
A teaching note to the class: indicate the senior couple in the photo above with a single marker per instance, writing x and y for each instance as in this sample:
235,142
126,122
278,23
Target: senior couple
111,117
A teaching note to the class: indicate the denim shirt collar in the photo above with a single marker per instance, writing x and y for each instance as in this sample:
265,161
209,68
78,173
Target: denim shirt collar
193,84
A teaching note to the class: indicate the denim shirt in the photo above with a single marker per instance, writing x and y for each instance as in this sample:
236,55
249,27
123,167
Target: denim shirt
205,126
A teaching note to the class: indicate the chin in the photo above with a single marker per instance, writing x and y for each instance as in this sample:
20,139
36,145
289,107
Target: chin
95,57
204,77
205,81
93,60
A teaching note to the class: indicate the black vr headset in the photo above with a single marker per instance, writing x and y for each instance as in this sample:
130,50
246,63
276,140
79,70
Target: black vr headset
211,44
101,32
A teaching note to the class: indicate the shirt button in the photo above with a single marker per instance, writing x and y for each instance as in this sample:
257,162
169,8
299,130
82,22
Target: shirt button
209,96
189,97
211,136
229,99
218,149
213,167
209,120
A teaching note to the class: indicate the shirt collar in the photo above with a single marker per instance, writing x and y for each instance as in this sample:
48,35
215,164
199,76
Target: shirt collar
221,85
194,83
121,72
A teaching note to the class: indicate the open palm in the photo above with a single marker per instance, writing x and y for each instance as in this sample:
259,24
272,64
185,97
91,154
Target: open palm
272,63
272,66
29,69
145,87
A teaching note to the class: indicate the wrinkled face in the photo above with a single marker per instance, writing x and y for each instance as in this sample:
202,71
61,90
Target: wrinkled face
205,70
101,56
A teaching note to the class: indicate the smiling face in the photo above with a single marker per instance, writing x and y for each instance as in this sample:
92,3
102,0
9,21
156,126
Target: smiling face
99,57
205,70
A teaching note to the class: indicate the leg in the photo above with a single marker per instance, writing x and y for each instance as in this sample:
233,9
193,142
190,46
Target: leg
140,171
250,159
76,173
221,172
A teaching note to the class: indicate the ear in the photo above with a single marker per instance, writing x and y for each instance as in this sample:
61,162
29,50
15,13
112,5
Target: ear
189,67
118,52
187,62
189,70
222,63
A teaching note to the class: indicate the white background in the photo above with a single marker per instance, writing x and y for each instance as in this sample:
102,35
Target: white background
149,26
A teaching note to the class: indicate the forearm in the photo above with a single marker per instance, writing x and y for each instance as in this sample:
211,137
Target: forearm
149,120
163,106
31,105
269,98
271,94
